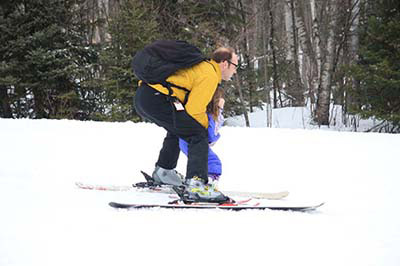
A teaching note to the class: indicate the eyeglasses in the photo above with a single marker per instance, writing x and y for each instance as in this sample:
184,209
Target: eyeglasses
230,62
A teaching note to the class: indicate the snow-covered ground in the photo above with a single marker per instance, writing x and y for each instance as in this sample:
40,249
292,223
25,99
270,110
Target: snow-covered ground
46,220
301,117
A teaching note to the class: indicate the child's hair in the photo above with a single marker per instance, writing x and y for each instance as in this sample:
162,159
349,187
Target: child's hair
212,107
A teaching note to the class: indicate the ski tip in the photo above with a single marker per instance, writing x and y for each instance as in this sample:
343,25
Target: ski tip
118,205
113,204
310,208
313,208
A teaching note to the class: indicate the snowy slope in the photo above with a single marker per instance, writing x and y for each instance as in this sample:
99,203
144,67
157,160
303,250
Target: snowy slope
45,220
301,117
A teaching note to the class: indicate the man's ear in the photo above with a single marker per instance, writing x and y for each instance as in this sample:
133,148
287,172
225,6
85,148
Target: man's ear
225,64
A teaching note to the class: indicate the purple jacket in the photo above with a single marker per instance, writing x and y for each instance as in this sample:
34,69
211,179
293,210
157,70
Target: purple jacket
214,163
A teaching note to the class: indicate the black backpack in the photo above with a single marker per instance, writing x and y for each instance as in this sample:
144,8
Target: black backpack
160,59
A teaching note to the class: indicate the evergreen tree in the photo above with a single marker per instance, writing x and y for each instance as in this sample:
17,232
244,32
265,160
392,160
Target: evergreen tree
204,23
378,70
130,29
43,58
138,23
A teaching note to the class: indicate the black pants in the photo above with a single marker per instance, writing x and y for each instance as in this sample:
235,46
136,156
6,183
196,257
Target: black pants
158,108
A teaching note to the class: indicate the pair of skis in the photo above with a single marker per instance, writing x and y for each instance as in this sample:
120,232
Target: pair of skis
253,201
169,190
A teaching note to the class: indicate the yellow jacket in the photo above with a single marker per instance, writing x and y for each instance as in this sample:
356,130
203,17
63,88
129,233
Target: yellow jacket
201,80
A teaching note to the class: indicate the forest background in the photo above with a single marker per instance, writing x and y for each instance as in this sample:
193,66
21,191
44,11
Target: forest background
70,59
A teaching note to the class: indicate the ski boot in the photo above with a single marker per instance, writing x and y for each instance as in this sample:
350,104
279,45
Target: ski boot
195,190
213,181
163,176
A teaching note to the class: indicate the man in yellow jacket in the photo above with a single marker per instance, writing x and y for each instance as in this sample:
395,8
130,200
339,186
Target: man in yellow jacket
188,122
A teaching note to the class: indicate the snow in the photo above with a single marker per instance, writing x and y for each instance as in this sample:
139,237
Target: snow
46,220
301,117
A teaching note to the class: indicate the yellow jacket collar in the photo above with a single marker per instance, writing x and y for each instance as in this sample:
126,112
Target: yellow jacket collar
218,69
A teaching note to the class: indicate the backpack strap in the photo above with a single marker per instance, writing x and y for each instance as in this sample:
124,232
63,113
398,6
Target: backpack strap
169,85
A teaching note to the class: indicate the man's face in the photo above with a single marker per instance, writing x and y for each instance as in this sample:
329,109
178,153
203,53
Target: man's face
229,68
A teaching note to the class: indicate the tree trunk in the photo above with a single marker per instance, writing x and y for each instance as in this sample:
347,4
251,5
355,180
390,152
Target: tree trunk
324,91
289,31
295,86
248,48
298,84
268,106
354,46
39,106
242,102
317,43
5,108
274,60
308,60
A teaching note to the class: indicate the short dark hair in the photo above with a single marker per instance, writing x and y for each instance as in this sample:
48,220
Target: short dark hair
222,54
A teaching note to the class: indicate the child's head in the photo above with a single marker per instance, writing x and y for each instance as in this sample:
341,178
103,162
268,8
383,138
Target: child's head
213,107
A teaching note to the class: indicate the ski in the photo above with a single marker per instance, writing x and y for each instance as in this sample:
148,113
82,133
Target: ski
88,186
168,190
258,195
177,204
